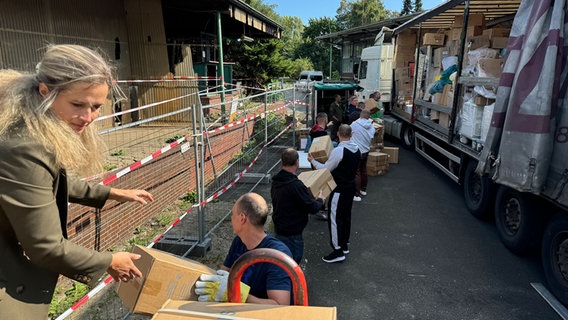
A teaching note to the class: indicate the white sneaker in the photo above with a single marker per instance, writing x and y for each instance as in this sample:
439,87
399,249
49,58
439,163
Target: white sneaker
363,193
356,198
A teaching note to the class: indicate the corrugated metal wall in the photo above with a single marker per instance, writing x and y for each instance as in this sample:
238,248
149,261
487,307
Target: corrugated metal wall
130,32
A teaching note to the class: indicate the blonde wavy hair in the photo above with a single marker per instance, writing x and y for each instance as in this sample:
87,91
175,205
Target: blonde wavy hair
24,112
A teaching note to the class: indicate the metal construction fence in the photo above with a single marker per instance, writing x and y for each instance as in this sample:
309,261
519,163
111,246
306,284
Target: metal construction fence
189,155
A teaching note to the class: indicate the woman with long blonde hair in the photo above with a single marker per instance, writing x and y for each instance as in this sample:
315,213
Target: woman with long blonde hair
46,144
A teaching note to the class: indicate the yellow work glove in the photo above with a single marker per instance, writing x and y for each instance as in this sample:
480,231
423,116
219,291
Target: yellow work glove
214,287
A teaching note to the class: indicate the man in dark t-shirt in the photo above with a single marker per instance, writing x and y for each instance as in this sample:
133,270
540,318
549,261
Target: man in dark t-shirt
269,283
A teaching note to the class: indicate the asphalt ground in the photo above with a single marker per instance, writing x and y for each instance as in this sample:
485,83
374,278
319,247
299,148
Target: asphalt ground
416,253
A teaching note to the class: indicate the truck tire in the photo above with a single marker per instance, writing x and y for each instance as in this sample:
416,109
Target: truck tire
407,137
555,256
515,219
478,192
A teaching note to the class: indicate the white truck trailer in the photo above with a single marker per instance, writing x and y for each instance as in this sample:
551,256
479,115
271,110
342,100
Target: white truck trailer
494,118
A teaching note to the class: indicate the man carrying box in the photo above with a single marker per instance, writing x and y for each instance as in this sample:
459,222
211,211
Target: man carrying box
342,163
363,132
269,283
291,204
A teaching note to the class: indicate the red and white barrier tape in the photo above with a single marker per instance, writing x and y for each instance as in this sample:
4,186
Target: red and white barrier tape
109,279
140,163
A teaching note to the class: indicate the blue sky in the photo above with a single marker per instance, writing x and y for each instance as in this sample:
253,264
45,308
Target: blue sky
306,9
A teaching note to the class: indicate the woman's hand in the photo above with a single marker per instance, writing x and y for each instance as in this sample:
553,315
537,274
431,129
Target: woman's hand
122,268
124,195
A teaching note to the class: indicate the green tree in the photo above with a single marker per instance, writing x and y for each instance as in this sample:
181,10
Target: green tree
418,6
406,8
292,34
262,60
318,51
352,14
300,64
268,10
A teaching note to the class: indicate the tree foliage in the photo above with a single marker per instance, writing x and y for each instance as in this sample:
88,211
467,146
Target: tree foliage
357,13
418,6
318,51
262,60
406,8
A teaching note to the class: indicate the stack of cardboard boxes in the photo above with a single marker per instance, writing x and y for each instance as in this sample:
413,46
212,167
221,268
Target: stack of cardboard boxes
377,163
482,58
378,138
404,63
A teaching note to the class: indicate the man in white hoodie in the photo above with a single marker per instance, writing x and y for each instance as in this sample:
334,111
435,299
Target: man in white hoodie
363,132
343,162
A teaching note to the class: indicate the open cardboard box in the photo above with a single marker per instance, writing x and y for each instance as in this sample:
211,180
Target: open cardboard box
164,276
191,310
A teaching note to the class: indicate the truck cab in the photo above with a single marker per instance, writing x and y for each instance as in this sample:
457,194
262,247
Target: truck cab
375,69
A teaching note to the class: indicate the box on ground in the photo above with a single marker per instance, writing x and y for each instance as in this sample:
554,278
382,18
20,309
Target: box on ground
392,152
192,310
377,163
316,180
321,148
165,276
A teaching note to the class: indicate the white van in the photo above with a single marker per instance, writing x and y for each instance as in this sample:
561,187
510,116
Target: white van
308,78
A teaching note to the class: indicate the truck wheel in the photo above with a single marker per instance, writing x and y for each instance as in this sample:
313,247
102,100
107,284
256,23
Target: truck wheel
555,256
478,192
515,218
408,137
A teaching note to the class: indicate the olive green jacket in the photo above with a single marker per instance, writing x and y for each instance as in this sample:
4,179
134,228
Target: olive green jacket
34,248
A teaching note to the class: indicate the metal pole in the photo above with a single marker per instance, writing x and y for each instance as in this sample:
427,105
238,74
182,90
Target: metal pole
294,116
221,65
266,128
200,222
330,48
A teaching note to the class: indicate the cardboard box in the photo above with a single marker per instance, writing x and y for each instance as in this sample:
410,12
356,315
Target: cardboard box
316,180
438,56
392,152
165,276
213,310
478,42
497,32
403,73
499,42
482,101
444,119
321,148
474,19
377,158
487,67
433,39
470,32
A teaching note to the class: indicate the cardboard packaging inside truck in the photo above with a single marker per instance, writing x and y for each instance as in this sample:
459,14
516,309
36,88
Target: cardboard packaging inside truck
191,310
316,180
165,276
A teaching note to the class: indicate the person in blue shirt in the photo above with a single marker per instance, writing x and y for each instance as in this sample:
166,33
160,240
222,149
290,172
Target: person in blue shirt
269,283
